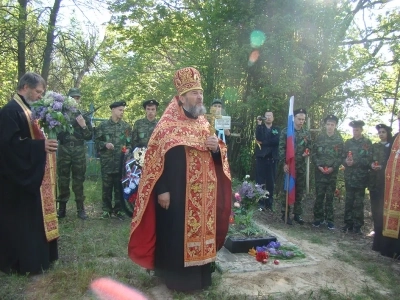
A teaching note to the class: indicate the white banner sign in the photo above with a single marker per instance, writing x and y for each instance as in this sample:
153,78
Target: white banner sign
223,123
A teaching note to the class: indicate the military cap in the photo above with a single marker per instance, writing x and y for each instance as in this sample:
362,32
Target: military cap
299,111
216,101
332,118
117,104
387,128
187,79
356,124
150,102
74,92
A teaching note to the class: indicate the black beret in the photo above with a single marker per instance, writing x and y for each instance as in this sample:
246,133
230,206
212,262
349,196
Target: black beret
356,124
150,102
117,104
74,92
387,128
331,117
299,111
216,101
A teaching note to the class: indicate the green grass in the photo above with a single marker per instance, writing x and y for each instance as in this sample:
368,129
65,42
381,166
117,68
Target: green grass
98,248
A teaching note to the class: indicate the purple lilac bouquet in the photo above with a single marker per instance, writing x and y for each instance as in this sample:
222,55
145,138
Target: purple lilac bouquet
248,194
275,249
53,113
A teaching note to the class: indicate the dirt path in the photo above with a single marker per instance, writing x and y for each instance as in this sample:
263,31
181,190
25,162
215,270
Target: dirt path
328,272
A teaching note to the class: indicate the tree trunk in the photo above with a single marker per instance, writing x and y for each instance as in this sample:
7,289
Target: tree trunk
22,18
50,39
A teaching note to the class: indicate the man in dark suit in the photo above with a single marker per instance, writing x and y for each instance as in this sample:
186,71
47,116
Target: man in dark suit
267,155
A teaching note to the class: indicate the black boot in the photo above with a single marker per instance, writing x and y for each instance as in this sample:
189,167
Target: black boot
347,227
81,211
298,219
357,230
289,221
62,210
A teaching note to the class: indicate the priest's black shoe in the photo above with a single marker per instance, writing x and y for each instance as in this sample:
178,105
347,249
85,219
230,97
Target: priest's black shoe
298,219
62,210
289,221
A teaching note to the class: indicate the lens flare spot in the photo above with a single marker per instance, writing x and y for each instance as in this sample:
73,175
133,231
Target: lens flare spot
257,38
253,57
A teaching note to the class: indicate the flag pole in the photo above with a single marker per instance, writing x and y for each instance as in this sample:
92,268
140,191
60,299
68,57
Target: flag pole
308,165
287,198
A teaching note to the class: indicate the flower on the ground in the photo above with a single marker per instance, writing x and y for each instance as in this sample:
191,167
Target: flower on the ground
249,193
236,204
276,250
237,197
261,255
247,177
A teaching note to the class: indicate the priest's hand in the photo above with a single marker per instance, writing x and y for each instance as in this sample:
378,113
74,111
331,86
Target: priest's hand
164,200
50,146
212,143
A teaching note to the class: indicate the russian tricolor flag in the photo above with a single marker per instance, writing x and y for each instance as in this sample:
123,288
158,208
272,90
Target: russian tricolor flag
290,178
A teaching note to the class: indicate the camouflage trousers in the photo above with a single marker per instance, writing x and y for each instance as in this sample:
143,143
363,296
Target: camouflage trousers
300,188
71,162
354,206
324,191
111,182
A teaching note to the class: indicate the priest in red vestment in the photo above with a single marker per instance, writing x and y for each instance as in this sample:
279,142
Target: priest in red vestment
390,242
181,215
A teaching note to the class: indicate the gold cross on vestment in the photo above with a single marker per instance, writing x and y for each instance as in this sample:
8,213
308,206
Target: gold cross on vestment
215,113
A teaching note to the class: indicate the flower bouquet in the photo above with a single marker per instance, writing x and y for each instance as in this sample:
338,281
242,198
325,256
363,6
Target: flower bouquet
246,201
247,196
277,251
53,112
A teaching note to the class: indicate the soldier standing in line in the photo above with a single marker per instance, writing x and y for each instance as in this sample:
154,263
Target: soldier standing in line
143,128
357,158
302,150
71,158
112,138
327,156
267,138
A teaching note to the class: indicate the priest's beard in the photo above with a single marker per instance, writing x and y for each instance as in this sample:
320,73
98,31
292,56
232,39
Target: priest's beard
29,102
196,110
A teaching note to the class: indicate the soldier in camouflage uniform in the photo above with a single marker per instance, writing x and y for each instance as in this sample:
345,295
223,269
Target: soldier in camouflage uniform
143,128
112,137
357,158
326,155
302,150
71,158
376,185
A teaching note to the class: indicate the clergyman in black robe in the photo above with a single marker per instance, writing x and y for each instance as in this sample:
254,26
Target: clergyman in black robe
24,247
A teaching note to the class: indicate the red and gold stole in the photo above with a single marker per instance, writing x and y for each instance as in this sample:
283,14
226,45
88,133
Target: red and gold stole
391,206
205,181
48,187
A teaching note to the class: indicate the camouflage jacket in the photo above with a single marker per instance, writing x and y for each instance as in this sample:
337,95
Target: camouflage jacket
79,134
380,154
119,134
142,130
357,175
302,142
327,151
